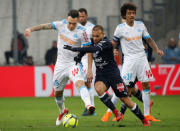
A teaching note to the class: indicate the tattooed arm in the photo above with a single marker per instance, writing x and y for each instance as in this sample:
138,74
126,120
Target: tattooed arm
37,28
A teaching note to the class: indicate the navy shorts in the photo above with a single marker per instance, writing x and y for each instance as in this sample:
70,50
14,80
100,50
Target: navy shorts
113,81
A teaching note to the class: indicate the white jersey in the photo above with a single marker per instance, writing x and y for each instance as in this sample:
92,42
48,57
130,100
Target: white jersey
131,39
74,38
88,26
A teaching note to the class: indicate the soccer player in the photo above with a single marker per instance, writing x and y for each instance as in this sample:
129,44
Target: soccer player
130,34
69,33
83,16
107,73
135,91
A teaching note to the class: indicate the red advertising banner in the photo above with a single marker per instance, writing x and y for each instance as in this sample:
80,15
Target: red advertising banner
25,81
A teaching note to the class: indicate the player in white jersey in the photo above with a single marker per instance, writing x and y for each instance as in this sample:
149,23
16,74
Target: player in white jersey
83,16
130,34
69,33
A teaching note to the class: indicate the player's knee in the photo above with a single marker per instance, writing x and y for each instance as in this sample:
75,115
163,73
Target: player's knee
99,91
145,85
58,93
79,83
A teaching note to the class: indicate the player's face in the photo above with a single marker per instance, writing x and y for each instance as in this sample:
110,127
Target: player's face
130,15
82,18
97,36
72,23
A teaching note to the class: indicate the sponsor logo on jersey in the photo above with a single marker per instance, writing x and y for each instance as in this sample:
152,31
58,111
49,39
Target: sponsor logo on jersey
64,38
133,38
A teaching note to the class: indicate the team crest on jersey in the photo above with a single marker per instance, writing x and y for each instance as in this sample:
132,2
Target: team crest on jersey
75,36
139,30
56,83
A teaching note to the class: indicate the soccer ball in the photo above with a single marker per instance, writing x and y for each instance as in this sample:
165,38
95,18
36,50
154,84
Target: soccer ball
70,121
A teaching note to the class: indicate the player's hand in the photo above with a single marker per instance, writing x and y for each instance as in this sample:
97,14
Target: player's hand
89,76
115,51
67,47
27,32
160,52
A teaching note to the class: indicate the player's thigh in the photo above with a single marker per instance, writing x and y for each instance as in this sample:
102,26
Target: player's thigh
84,68
76,74
60,78
128,72
101,84
144,73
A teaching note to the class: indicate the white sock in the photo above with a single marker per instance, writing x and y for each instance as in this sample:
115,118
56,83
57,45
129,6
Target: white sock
114,100
146,101
91,96
60,103
85,95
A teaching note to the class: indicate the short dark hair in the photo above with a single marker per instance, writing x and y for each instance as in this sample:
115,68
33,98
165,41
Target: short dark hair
73,14
127,6
83,10
98,27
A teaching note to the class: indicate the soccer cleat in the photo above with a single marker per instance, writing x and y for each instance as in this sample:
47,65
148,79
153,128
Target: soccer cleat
151,118
106,117
91,109
117,114
151,104
146,122
61,116
86,113
122,117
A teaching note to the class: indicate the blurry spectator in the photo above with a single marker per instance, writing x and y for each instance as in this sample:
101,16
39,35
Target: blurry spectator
29,61
178,50
51,54
170,54
22,46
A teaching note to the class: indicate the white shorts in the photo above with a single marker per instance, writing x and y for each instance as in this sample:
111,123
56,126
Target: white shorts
136,68
64,72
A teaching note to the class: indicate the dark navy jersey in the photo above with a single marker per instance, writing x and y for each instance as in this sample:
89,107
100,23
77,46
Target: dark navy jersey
104,57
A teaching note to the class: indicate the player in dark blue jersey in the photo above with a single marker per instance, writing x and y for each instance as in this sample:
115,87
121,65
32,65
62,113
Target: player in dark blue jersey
107,73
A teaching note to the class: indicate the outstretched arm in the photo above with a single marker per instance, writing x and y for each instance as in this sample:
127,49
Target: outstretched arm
47,26
82,49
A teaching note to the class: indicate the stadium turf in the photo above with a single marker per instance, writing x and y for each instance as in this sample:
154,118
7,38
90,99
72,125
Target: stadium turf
39,114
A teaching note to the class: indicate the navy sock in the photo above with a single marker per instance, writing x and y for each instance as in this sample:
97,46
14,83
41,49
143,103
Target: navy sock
123,108
106,99
138,95
137,112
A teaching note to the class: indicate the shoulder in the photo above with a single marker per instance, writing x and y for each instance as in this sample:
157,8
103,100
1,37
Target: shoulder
57,24
64,21
80,28
139,23
121,25
106,41
89,24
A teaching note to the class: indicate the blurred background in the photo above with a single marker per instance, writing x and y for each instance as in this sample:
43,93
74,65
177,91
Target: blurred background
162,18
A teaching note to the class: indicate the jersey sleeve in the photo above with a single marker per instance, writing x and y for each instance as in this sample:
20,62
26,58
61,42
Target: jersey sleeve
57,24
117,35
145,33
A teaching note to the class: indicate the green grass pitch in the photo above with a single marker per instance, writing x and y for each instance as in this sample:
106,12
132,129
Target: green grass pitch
39,114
